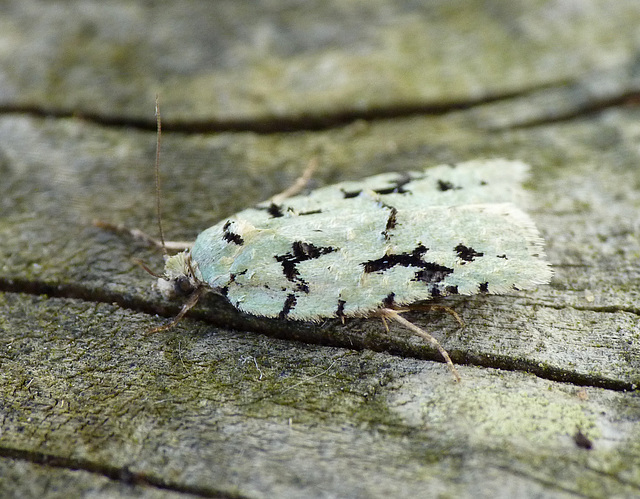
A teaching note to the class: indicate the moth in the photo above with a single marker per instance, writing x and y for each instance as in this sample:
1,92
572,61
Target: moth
369,248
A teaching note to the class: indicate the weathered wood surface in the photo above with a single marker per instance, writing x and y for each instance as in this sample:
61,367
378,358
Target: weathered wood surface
231,406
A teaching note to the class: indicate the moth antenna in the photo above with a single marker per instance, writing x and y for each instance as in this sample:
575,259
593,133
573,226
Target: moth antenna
144,266
157,175
299,184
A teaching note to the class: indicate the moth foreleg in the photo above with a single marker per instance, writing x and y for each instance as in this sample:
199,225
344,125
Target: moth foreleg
299,183
142,236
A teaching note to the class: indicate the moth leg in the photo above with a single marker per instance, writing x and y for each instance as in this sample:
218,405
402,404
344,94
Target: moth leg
385,323
431,306
142,236
191,302
299,183
389,313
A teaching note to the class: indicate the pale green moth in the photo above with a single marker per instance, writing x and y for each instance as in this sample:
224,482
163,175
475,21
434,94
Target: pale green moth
370,248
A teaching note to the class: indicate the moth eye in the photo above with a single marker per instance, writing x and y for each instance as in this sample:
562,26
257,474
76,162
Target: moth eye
182,286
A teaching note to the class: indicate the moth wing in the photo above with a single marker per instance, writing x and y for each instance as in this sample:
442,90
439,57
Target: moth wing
351,263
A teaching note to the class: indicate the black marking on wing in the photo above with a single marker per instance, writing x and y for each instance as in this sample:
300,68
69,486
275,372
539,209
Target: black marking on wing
397,186
313,212
300,252
484,287
502,256
413,259
231,237
351,194
389,300
224,291
392,221
289,305
467,253
275,210
340,309
306,251
432,272
445,185
448,290
429,272
232,277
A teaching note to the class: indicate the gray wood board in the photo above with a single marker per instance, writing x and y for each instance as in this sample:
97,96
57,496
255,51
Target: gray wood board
252,64
233,406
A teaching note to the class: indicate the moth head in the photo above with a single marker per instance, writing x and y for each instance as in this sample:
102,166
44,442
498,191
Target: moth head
179,277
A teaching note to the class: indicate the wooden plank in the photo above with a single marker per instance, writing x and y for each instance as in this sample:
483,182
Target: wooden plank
229,405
